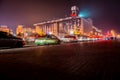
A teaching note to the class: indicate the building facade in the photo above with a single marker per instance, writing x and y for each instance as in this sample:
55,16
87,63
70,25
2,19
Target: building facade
73,25
64,26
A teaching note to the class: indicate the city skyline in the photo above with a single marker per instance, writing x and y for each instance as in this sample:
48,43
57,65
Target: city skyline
105,14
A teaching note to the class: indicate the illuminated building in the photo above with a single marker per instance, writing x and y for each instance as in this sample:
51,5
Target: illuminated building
73,25
96,31
11,32
113,33
118,36
86,26
39,31
28,31
24,32
4,28
19,29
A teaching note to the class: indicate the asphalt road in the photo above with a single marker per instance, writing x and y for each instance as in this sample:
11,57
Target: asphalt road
74,61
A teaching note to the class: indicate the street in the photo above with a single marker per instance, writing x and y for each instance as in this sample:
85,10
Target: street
72,61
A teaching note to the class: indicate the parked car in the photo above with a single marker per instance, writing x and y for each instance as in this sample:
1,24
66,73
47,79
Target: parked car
83,39
30,39
46,40
69,38
8,40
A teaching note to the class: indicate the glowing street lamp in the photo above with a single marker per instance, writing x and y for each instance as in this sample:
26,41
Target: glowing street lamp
71,32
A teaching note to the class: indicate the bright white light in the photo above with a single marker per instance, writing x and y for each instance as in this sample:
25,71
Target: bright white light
50,33
71,32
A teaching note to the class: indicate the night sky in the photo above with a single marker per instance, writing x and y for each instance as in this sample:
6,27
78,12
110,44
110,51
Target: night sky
105,13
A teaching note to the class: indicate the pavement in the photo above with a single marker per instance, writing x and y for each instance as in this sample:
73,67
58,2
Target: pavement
74,61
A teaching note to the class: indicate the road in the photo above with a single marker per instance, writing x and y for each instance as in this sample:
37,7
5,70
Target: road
73,61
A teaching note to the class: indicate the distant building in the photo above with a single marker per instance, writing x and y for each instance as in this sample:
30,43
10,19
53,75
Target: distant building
19,29
39,31
4,28
24,31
